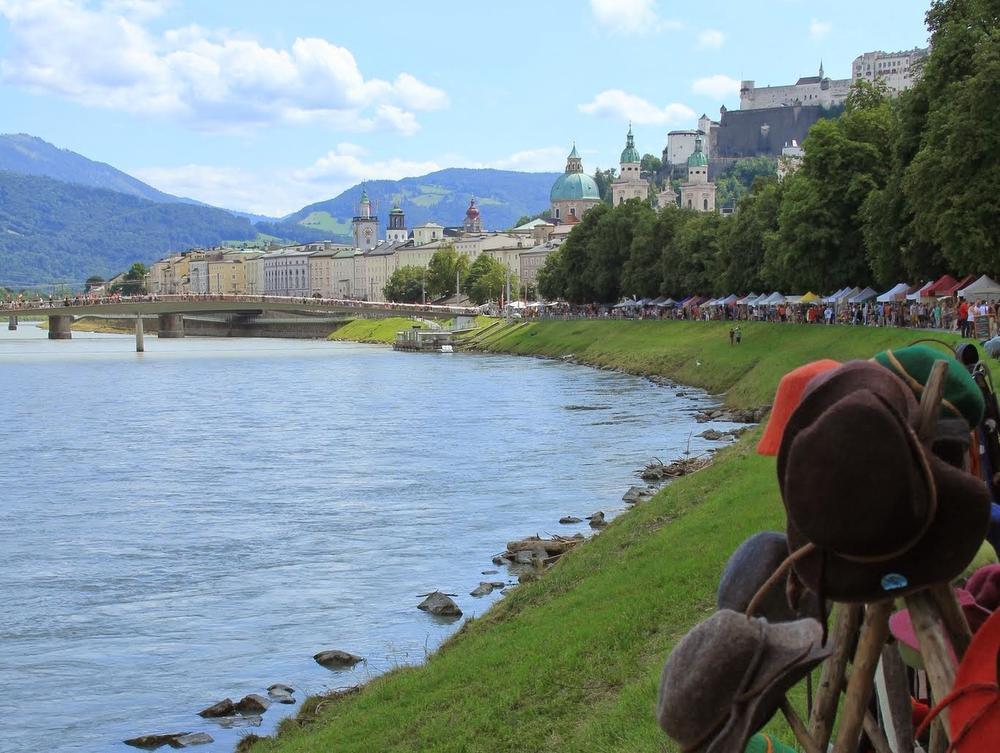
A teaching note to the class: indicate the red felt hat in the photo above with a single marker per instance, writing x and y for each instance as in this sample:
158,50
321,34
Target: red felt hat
789,393
974,702
984,585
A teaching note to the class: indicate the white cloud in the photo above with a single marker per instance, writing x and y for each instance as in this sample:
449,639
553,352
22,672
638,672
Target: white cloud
717,86
711,39
630,16
281,192
615,103
104,56
819,29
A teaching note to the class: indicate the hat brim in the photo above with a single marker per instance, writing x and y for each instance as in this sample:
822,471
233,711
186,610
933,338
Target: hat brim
941,554
791,651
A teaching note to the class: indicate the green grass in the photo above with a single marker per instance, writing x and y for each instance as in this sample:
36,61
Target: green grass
326,221
699,353
374,330
571,662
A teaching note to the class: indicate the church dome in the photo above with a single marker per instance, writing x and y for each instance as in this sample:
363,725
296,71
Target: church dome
472,212
697,158
630,153
574,186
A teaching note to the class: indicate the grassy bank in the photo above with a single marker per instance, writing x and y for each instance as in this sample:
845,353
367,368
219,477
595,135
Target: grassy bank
381,331
698,353
571,662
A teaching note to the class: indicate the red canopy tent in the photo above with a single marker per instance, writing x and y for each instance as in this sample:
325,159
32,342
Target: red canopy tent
946,291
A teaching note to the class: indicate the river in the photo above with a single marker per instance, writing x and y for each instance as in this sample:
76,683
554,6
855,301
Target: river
196,521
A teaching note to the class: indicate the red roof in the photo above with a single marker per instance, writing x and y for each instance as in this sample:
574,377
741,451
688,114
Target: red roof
950,290
945,282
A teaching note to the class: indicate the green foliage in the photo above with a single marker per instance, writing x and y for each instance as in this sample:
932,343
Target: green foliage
487,279
735,181
406,285
650,164
445,267
524,219
134,282
604,179
380,331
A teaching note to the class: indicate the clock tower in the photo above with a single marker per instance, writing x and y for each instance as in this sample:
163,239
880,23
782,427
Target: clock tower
365,225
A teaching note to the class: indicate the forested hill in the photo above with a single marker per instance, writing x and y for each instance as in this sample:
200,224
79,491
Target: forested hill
51,230
30,155
503,196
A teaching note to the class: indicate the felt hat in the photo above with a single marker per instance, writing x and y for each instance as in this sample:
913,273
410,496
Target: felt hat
912,364
748,568
790,390
761,743
884,515
974,702
901,626
725,679
984,587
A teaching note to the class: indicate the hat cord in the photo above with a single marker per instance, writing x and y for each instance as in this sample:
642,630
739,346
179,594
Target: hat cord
970,723
777,575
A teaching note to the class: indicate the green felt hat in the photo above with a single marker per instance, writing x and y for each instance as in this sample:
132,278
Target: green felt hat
766,744
913,365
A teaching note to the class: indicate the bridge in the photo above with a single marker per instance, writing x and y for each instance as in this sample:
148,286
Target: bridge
170,310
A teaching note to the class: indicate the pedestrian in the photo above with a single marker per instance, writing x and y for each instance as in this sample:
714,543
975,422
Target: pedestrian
732,335
739,334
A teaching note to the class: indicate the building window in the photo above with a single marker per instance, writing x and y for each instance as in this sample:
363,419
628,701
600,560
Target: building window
706,205
557,213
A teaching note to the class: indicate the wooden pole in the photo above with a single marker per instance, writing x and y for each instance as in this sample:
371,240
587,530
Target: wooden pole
799,728
874,631
847,617
934,650
893,689
875,734
953,618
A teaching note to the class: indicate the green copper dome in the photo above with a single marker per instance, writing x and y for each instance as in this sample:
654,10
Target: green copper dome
630,154
574,186
697,158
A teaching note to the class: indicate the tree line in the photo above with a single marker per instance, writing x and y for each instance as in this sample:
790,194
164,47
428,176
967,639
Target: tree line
892,189
485,279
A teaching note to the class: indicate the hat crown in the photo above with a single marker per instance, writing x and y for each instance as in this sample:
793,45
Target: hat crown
855,480
703,674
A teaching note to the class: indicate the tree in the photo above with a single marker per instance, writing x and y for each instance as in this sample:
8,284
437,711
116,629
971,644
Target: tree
93,281
134,282
745,236
406,285
642,274
524,219
651,164
604,179
552,276
486,279
446,266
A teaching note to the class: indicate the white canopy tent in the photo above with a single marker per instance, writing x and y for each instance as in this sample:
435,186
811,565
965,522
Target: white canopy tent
865,295
894,293
985,287
921,293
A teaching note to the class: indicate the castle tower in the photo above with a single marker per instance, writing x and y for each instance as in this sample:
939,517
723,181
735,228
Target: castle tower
396,230
473,224
698,194
365,224
629,183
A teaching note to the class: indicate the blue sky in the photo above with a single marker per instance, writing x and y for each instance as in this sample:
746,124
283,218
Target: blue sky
265,106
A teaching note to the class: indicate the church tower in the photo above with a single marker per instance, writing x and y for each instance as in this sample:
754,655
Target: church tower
473,224
629,183
365,224
698,194
396,231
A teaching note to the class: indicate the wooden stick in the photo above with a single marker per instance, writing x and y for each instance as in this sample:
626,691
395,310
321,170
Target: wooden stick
893,688
799,728
930,400
874,631
939,737
875,734
831,680
955,624
938,661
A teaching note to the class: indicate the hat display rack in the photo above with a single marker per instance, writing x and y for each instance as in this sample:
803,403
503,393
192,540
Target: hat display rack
864,687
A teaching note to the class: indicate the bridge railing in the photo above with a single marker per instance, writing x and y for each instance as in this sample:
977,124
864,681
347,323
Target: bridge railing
68,304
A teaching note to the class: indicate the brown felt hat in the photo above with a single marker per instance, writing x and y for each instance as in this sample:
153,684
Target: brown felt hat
748,569
725,679
886,516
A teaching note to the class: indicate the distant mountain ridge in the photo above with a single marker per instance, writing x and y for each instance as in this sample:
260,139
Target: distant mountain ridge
30,155
503,196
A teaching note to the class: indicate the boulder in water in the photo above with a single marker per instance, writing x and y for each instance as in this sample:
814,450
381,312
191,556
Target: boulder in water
152,742
195,738
252,705
225,707
567,520
483,589
337,659
440,604
597,520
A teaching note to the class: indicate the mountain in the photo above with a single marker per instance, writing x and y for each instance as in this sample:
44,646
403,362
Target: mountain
51,230
443,196
30,155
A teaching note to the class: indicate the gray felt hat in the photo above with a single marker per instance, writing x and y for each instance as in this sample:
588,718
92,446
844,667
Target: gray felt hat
725,679
749,567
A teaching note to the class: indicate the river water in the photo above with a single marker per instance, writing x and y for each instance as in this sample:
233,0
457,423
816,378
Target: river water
195,522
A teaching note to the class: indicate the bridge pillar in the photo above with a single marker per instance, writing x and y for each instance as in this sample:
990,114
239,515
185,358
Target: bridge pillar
171,325
139,344
59,327
12,322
